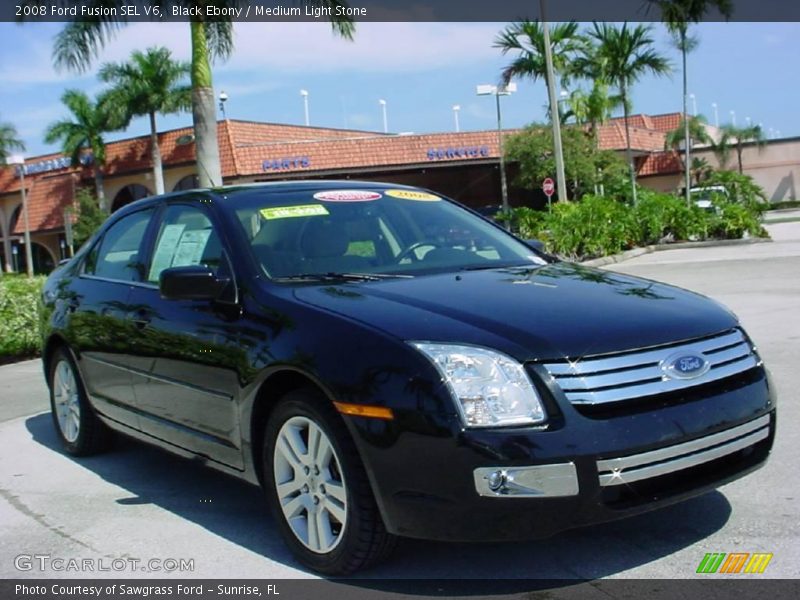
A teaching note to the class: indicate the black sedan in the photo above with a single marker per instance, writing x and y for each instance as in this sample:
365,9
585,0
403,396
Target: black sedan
387,363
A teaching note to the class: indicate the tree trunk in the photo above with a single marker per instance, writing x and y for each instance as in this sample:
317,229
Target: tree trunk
158,172
204,114
686,138
628,151
739,156
99,190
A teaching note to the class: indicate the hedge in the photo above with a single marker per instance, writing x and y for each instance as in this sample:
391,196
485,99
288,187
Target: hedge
19,326
598,226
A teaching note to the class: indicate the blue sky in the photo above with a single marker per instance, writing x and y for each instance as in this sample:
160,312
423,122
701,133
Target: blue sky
420,69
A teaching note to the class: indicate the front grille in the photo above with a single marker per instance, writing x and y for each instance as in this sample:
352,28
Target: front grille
624,470
613,378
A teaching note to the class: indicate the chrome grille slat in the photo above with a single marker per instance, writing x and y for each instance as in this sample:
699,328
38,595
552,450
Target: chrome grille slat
635,359
609,379
636,467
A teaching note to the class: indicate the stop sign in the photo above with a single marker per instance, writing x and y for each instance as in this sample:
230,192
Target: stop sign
548,187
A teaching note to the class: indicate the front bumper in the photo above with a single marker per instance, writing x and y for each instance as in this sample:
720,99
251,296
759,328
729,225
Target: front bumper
438,484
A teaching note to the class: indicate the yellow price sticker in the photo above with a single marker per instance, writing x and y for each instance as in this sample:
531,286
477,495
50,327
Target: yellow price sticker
412,195
287,212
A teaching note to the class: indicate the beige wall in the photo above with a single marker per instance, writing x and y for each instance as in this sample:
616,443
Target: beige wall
775,166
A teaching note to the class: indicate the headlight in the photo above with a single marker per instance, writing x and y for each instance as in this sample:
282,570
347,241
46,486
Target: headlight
490,389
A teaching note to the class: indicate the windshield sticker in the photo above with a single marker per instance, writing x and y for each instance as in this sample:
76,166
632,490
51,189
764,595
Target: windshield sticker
412,195
287,212
347,196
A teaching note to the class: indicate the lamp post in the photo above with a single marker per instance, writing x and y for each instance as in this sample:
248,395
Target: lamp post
382,102
493,90
19,161
304,94
456,108
716,114
223,98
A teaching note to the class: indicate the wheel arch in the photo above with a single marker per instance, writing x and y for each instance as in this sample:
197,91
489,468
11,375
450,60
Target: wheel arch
270,391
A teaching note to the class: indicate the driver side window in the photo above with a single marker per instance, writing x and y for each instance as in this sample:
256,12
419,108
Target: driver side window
186,237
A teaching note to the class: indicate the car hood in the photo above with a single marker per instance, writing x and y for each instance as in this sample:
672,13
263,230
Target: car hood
555,311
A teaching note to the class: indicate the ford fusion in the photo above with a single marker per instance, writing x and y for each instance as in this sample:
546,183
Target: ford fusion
387,363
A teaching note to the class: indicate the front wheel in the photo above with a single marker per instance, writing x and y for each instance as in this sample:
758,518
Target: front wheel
318,490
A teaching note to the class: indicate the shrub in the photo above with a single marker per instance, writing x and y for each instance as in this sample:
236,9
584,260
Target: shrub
664,216
19,316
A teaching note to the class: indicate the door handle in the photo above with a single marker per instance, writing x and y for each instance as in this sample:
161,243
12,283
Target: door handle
141,318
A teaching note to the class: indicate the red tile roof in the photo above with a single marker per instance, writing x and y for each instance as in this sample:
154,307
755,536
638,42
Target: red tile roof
47,199
245,146
612,137
661,163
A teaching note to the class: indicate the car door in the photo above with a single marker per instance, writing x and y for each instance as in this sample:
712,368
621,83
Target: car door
99,329
188,348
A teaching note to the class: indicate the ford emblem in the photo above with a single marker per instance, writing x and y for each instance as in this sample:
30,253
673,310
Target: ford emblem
685,365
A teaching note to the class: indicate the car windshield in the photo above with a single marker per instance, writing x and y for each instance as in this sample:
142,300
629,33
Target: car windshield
368,234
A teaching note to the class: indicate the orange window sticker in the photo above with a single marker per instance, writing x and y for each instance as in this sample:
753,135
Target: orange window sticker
347,196
412,195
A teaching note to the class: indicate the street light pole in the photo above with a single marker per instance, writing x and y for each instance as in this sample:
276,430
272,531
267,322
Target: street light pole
304,94
456,108
554,116
382,102
19,160
716,114
223,98
486,90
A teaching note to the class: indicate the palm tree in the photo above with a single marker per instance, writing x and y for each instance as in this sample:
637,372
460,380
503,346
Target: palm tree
148,84
90,120
599,103
628,54
700,170
9,141
697,134
81,41
677,15
737,137
564,41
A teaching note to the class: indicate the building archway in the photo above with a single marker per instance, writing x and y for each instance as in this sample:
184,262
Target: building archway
43,261
190,182
130,193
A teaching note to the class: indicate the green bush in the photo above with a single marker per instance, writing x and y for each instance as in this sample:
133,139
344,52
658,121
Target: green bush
663,216
598,226
19,305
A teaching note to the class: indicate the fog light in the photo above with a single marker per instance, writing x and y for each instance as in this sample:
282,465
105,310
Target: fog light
496,480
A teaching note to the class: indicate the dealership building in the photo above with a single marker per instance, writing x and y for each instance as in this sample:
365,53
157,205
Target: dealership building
464,166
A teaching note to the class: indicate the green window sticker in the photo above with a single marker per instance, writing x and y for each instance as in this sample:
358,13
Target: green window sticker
287,212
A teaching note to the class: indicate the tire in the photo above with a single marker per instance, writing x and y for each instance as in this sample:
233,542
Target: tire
326,512
80,430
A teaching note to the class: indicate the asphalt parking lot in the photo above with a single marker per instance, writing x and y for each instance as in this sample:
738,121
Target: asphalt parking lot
140,503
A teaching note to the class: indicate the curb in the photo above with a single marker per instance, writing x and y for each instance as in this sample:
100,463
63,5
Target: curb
616,258
629,254
711,244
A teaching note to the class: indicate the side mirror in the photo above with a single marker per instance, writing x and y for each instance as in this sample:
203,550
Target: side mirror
190,283
535,244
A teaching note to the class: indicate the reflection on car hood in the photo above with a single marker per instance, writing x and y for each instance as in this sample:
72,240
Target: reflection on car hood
546,312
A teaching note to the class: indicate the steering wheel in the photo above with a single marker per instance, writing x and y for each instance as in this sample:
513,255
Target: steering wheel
409,252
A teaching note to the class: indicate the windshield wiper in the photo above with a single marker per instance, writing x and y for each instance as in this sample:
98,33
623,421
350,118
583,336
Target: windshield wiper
335,276
502,266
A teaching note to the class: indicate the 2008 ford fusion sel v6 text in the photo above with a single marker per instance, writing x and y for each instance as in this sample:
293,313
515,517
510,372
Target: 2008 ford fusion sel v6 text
385,363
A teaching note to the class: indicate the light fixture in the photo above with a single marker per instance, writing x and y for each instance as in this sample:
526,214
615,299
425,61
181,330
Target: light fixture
223,98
